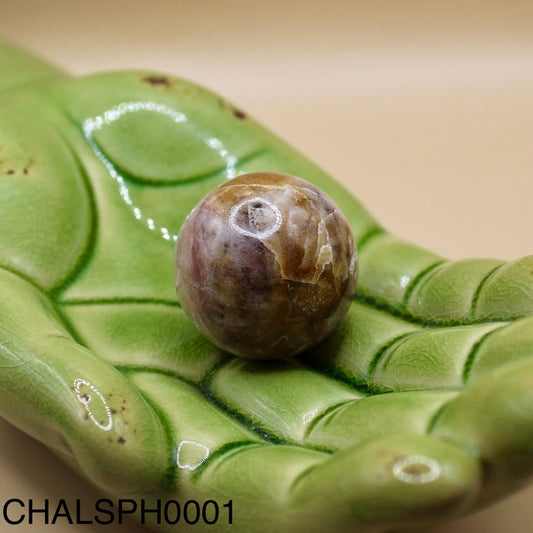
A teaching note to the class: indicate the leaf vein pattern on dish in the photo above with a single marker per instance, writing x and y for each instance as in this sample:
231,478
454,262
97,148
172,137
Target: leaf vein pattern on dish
95,123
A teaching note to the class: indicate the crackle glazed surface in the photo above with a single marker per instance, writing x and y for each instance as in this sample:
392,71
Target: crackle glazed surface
266,265
417,408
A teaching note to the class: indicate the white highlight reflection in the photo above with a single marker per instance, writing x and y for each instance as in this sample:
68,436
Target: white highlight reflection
190,447
95,123
86,399
404,281
308,417
249,202
416,469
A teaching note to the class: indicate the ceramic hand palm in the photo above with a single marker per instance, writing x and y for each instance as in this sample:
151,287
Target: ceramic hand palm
417,408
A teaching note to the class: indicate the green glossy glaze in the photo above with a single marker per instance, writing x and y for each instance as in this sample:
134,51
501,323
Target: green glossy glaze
418,407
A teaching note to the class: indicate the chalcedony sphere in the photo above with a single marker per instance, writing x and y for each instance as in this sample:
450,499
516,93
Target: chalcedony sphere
266,265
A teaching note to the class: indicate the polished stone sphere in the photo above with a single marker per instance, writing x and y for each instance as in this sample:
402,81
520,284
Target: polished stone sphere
266,265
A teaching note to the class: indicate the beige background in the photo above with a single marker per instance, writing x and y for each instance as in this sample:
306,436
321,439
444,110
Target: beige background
424,109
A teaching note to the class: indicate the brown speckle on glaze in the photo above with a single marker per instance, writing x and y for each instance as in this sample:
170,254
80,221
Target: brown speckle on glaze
29,164
241,115
157,80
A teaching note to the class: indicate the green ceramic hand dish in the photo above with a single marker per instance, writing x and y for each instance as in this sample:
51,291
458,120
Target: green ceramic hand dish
417,409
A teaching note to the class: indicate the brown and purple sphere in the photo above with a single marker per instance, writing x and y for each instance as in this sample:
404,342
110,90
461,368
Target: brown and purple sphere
266,265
